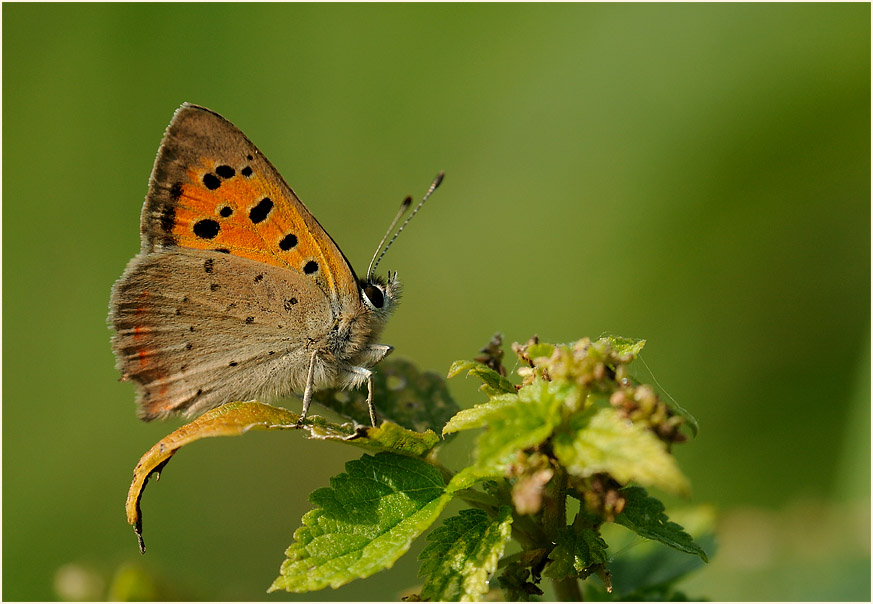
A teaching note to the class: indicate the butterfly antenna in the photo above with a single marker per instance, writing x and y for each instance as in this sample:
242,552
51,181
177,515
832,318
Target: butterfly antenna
403,207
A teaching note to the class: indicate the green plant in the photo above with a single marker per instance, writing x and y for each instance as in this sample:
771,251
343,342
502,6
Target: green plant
579,434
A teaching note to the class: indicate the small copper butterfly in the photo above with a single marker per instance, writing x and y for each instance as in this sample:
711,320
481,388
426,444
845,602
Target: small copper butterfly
237,292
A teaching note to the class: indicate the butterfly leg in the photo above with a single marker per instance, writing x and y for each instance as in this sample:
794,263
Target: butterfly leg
370,405
358,375
307,391
375,353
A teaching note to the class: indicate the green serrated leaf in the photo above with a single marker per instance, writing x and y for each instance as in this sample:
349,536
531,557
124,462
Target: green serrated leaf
479,415
601,440
418,400
525,424
513,422
463,554
623,346
388,436
576,551
364,522
645,516
646,570
493,384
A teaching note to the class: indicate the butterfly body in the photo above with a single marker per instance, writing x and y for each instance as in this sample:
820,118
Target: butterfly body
237,292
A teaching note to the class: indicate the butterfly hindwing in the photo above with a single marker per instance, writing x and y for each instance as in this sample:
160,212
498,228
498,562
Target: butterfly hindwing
233,329
212,189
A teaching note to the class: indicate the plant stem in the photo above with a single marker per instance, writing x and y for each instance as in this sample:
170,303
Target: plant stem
555,520
555,504
567,590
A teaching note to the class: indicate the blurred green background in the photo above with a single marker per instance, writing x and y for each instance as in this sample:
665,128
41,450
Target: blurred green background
696,175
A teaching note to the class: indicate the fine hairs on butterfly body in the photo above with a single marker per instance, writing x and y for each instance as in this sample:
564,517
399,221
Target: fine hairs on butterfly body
238,293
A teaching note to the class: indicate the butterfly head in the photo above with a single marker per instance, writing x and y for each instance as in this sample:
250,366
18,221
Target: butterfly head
381,295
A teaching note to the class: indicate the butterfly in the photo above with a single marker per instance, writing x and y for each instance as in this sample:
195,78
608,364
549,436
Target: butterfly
238,293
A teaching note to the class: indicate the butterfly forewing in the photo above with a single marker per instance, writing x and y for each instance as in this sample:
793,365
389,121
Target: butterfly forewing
212,189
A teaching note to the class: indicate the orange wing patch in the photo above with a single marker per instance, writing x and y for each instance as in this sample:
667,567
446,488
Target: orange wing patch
236,210
212,189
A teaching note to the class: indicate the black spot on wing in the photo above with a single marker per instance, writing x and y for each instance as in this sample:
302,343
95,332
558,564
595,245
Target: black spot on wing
211,181
260,212
288,242
206,228
225,172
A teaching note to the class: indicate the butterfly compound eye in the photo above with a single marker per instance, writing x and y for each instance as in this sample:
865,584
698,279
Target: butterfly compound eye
374,295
